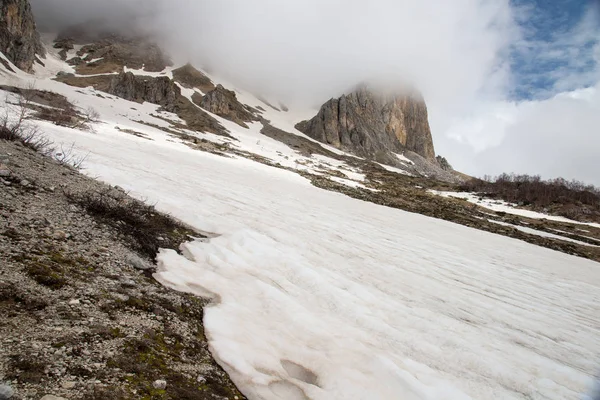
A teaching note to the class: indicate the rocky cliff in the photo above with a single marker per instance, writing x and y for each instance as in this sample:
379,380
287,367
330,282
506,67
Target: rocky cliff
19,40
161,90
372,125
189,77
225,104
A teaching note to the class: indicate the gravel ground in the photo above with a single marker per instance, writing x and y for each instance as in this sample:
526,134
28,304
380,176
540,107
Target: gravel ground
81,316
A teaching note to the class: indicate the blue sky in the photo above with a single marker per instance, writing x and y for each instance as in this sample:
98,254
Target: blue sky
555,53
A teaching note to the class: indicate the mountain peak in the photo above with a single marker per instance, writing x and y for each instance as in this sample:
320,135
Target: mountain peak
370,122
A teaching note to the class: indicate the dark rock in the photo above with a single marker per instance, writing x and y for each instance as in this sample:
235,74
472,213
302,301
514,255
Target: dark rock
161,90
444,164
66,43
198,120
370,125
19,38
117,52
63,74
189,77
75,61
225,104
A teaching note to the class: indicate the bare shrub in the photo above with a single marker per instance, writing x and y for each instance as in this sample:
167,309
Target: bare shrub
573,199
15,123
68,156
58,116
90,115
147,229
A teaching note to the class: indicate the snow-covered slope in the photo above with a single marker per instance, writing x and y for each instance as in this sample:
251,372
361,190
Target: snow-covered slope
320,296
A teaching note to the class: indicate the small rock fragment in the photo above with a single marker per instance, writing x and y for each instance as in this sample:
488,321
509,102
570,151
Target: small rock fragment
52,397
159,384
6,392
138,263
68,385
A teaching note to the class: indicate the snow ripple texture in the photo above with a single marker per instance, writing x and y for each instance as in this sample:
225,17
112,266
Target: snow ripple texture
320,296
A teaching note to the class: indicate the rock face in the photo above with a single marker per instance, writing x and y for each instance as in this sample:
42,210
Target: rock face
372,125
106,51
225,104
189,77
19,39
162,90
116,51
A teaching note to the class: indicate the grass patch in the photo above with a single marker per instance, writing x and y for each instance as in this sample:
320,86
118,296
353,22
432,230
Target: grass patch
12,299
46,275
148,359
26,369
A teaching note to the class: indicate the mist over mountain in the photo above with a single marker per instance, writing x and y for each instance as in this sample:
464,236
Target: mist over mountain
487,69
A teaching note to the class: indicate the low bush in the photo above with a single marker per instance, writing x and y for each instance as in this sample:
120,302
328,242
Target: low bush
147,229
573,199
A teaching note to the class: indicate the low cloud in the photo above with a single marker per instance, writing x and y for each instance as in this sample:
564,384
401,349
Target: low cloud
314,49
553,137
460,54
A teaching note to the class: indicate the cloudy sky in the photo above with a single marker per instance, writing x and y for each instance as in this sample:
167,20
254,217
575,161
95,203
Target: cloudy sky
511,85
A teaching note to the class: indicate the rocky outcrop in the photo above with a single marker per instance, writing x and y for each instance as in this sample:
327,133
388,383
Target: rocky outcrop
106,51
372,125
162,90
135,53
189,77
198,120
19,40
225,104
64,45
444,164
112,53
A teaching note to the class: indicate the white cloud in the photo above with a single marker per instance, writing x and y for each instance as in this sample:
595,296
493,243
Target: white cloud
554,137
457,53
315,49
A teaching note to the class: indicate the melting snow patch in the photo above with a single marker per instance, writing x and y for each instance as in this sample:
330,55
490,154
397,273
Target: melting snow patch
404,159
502,206
542,233
394,169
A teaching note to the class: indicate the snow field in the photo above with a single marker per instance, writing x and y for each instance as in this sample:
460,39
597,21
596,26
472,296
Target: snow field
323,297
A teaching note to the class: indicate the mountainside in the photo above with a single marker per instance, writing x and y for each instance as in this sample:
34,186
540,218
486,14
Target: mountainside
19,39
369,124
325,275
